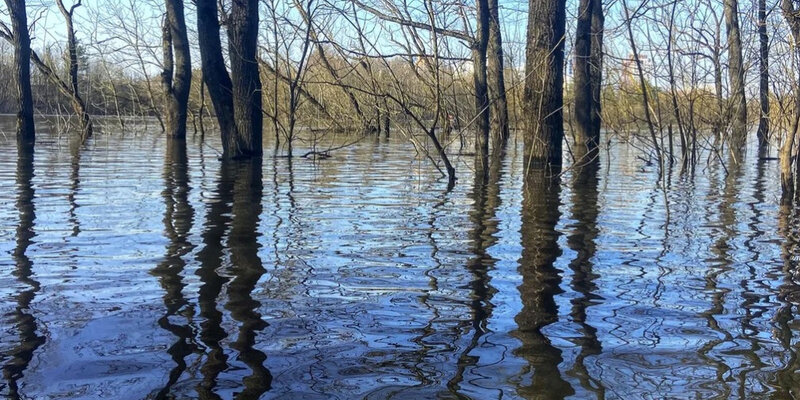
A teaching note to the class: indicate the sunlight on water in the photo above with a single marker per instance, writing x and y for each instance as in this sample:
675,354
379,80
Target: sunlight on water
133,268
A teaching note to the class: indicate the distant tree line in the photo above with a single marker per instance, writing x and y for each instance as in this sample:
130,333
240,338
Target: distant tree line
679,77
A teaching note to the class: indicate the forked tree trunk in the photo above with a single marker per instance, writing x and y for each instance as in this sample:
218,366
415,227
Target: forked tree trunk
215,73
236,97
72,49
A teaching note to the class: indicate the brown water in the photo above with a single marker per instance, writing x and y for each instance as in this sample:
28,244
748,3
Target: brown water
131,269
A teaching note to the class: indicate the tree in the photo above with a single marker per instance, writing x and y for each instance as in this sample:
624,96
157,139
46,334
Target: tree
763,77
736,75
588,78
68,88
496,77
246,82
176,77
792,16
479,75
543,97
19,37
236,97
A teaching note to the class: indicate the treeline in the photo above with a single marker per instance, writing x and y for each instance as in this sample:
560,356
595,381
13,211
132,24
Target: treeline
681,76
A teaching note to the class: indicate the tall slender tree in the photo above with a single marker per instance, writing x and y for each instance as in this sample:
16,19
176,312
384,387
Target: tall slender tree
763,77
20,38
736,75
72,64
496,77
588,78
479,75
543,97
177,75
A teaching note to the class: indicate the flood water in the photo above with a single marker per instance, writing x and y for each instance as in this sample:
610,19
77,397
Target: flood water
131,269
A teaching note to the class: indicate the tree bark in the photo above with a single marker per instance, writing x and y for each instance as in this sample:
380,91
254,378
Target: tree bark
596,66
586,141
177,74
72,49
763,77
543,97
496,78
792,16
215,73
479,76
245,79
736,76
20,38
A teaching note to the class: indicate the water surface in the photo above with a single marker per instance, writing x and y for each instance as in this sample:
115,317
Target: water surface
136,268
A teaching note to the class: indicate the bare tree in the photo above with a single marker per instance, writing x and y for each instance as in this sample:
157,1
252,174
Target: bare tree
792,16
176,77
543,96
496,76
736,75
236,97
245,79
68,88
21,40
588,78
763,77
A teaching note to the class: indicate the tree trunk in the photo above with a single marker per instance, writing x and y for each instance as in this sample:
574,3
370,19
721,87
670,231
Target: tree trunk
496,78
585,142
26,131
642,84
215,74
245,79
479,75
543,97
673,91
596,67
736,76
792,16
763,78
177,74
72,50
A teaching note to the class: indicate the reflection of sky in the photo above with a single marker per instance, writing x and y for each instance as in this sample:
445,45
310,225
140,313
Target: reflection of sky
368,276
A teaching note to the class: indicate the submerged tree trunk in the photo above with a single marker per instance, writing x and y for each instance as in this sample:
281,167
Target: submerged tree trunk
642,83
177,74
215,74
246,82
792,16
673,91
588,78
479,75
496,78
544,78
236,97
21,40
763,78
596,66
736,76
72,48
